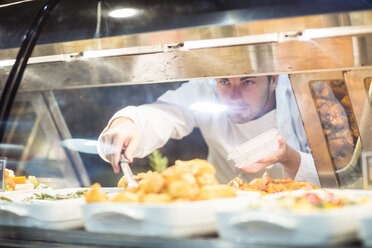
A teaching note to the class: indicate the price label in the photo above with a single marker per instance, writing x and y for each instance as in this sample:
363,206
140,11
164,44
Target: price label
2,173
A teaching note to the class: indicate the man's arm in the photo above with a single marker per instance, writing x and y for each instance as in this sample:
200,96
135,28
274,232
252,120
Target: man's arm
297,165
286,155
142,129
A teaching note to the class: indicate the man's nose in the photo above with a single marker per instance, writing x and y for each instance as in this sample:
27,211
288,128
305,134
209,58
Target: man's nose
235,93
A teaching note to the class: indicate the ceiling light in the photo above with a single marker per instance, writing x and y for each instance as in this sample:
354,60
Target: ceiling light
123,13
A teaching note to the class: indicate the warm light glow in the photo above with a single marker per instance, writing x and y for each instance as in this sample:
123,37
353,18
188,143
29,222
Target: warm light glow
91,142
123,13
81,145
209,107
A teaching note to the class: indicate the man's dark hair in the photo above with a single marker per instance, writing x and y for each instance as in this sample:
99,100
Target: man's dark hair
269,78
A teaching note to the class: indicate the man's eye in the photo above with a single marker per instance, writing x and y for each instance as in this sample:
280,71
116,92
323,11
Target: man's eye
248,82
224,82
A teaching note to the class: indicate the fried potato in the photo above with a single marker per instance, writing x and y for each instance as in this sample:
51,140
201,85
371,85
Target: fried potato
126,196
206,179
184,181
122,182
153,183
95,194
183,189
156,198
208,192
197,166
139,177
175,171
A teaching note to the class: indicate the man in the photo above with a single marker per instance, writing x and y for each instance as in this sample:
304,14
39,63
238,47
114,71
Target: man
255,105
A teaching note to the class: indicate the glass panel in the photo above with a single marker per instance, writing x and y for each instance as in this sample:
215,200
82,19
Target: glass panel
32,145
340,130
87,111
43,124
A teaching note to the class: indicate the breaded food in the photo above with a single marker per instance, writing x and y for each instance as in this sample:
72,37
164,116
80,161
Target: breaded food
184,181
152,183
209,192
266,185
95,194
156,198
126,196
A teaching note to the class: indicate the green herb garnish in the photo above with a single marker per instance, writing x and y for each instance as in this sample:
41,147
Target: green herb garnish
158,162
5,199
45,196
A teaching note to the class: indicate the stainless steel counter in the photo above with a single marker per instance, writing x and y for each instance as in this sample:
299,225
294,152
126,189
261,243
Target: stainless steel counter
31,237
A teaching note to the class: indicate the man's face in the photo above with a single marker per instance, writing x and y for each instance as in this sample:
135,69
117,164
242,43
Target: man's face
247,97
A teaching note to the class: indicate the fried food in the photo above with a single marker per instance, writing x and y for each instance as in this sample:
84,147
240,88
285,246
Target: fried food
126,196
95,194
156,198
152,183
209,192
266,185
337,118
182,189
184,181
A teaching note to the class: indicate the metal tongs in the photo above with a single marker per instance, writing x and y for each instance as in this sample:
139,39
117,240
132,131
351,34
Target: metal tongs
127,172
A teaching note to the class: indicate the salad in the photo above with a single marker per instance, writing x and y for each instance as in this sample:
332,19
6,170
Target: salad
20,183
309,201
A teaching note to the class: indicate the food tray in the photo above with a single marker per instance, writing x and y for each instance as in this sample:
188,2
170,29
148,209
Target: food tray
365,227
178,219
256,226
365,231
255,148
50,214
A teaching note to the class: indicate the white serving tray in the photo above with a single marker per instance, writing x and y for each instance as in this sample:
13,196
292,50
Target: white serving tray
179,219
365,231
59,214
291,228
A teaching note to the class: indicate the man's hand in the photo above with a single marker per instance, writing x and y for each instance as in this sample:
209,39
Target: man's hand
122,133
285,155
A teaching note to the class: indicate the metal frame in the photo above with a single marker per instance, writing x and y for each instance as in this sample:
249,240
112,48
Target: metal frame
313,128
354,81
330,42
331,54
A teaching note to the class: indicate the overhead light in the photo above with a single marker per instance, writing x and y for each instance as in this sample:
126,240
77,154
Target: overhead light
321,33
44,59
122,51
233,41
7,62
123,13
209,107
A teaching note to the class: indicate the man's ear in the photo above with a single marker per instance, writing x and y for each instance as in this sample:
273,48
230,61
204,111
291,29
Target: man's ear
274,81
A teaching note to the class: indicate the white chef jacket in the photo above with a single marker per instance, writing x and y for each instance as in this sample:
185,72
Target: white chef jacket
171,117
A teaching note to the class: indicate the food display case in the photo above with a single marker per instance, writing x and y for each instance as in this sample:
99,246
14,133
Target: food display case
66,67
